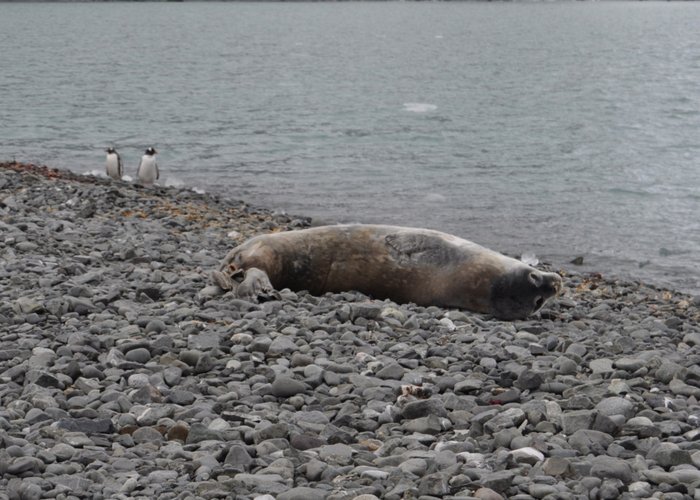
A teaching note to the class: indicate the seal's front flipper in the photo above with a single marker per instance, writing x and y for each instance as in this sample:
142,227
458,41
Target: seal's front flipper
256,287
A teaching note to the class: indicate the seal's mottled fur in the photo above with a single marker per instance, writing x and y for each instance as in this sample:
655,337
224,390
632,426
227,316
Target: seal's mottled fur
403,264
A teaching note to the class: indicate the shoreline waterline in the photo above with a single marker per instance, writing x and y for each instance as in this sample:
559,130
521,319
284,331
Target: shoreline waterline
549,258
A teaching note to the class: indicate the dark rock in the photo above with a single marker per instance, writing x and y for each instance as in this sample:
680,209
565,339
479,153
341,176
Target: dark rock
424,408
669,455
589,441
285,387
87,425
305,441
610,467
238,456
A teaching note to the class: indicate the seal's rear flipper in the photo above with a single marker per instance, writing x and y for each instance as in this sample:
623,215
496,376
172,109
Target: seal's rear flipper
256,287
222,280
228,277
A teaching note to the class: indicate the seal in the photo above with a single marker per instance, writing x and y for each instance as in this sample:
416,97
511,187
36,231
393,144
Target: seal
403,264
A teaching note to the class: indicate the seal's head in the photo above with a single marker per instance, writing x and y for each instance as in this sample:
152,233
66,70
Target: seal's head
522,292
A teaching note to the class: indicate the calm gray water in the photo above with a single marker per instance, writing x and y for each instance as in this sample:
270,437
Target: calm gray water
559,129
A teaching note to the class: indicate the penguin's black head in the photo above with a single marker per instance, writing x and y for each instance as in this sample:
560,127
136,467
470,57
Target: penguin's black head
110,150
151,151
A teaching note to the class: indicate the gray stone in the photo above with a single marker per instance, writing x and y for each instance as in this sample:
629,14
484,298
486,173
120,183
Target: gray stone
610,467
487,494
140,355
512,417
565,366
155,326
686,474
681,388
557,466
601,365
423,408
630,364
540,490
340,453
285,387
416,466
303,493
199,432
589,441
21,465
667,371
147,435
180,397
392,371
528,380
261,483
527,455
86,425
274,431
424,425
305,441
669,455
468,385
238,456
616,406
498,481
282,345
642,427
162,476
435,485
572,421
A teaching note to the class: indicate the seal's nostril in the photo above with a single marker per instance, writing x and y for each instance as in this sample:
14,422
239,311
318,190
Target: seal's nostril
535,278
539,302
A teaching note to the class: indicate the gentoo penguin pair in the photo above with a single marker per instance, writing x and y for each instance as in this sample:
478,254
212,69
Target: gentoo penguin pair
147,172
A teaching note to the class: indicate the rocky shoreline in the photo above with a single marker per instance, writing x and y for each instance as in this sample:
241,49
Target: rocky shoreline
124,375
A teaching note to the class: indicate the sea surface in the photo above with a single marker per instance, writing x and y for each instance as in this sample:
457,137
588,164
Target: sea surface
554,130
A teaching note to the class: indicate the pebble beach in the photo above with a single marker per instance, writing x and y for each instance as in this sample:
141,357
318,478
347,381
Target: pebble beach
124,373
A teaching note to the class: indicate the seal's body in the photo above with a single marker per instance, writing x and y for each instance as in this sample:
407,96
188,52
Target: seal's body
402,264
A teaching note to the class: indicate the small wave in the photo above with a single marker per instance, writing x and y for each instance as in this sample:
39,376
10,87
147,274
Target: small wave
102,175
95,173
174,182
670,252
356,132
630,192
198,190
530,259
435,198
419,107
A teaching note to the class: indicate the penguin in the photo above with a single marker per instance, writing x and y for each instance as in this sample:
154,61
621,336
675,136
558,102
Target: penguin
147,172
113,165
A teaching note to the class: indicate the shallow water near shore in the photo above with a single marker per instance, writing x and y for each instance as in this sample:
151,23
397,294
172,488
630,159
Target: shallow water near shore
559,129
